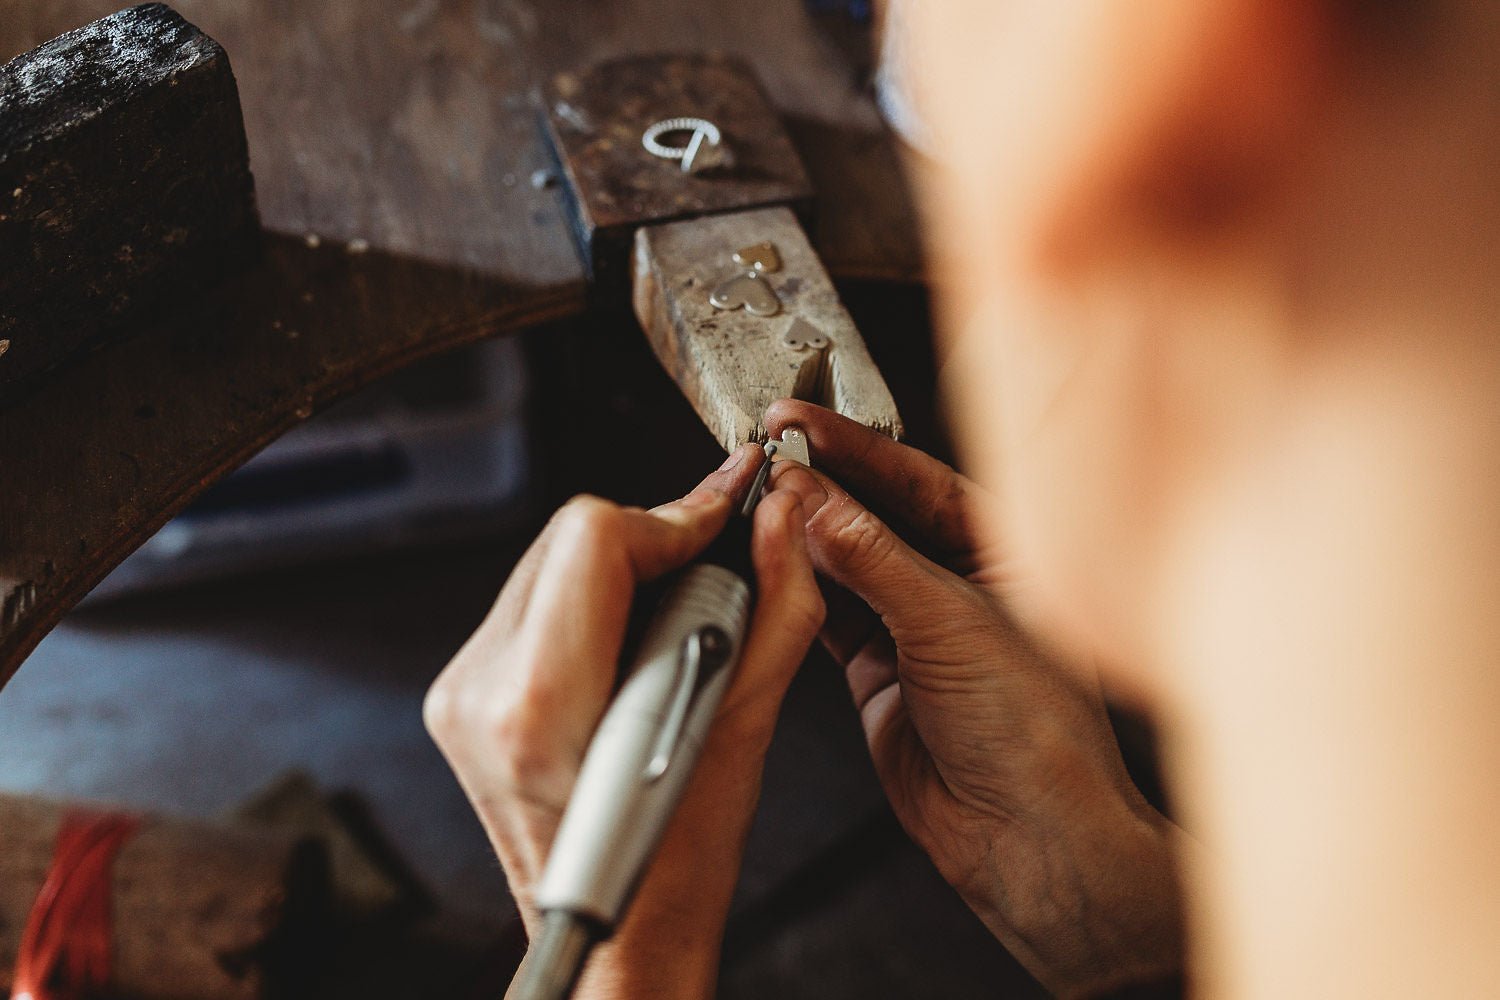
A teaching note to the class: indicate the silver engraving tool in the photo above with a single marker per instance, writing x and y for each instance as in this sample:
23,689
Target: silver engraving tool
790,447
758,484
641,756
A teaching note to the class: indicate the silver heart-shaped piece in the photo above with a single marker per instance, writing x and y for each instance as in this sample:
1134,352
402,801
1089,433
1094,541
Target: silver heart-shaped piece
801,334
748,290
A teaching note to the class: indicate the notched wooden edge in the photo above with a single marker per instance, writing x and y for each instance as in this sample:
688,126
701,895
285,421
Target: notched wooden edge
731,366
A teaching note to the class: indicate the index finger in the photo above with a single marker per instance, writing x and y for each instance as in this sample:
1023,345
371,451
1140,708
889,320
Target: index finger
577,612
924,493
731,479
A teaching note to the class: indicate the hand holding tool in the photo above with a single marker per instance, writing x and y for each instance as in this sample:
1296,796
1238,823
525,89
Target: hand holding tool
642,755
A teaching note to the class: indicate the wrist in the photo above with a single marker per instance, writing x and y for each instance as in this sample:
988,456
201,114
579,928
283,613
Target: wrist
1096,905
670,967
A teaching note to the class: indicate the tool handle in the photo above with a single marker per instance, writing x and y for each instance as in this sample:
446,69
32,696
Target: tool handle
643,752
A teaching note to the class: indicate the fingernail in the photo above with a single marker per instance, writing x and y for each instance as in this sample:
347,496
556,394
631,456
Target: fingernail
734,459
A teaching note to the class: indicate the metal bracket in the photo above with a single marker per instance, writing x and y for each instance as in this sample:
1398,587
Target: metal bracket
599,120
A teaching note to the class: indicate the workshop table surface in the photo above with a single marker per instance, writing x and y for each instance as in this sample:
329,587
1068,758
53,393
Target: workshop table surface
394,148
402,188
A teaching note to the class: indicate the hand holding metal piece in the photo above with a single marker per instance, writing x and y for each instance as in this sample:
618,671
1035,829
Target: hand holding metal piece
790,447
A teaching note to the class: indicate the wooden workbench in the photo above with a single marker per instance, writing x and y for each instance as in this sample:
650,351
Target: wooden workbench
396,159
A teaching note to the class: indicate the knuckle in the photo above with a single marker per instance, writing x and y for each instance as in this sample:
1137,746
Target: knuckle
439,709
808,613
522,755
505,731
590,519
490,719
498,731
817,611
862,542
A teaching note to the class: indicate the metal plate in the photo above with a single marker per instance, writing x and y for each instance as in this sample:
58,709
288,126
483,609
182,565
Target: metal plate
595,120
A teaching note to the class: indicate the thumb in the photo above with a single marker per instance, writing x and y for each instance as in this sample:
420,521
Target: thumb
861,553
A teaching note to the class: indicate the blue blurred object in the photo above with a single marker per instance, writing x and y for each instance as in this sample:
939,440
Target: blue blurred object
858,10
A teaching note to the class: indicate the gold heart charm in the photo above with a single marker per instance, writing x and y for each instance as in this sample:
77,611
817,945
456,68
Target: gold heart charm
748,290
761,257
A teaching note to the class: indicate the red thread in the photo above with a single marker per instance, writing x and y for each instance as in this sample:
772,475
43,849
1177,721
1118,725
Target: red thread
65,948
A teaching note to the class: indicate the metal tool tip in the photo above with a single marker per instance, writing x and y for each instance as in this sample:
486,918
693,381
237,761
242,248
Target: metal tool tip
759,483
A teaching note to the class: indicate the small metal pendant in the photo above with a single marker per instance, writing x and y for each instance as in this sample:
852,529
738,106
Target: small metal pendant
748,290
800,335
761,257
792,447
